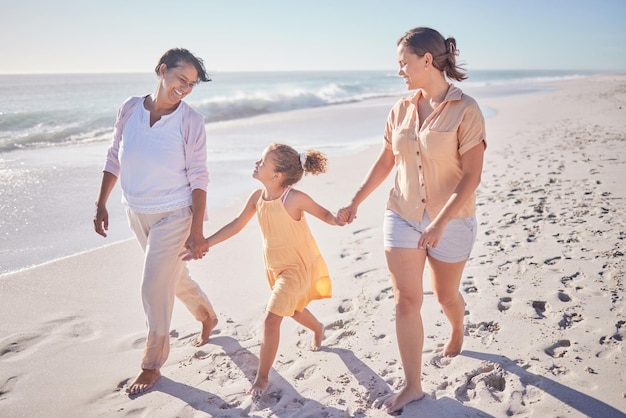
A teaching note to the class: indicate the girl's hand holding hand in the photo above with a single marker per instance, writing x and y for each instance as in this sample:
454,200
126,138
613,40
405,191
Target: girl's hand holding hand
346,215
195,248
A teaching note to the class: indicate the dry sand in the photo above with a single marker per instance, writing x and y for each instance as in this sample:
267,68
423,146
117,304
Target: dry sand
544,288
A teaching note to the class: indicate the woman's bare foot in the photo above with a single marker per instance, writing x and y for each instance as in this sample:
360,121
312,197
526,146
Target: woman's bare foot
397,401
454,345
207,326
259,387
144,381
318,337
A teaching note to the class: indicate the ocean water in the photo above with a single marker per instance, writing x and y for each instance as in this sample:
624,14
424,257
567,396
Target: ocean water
54,130
61,109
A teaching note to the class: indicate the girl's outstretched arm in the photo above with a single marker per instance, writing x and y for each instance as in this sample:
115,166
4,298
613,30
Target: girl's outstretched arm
237,224
232,228
298,201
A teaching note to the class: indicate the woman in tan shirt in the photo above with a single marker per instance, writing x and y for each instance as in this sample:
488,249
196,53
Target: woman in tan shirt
435,138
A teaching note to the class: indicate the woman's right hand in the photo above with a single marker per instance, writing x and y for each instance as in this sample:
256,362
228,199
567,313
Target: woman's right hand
347,214
101,220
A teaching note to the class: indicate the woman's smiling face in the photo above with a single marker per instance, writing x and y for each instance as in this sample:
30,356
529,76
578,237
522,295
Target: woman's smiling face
179,81
412,67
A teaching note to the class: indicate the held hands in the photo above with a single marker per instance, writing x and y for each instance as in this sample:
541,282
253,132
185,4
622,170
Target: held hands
195,248
346,215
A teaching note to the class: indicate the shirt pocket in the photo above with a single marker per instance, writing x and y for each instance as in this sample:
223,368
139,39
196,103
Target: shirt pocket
403,140
439,145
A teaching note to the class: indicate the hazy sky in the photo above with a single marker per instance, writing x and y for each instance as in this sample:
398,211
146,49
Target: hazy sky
73,36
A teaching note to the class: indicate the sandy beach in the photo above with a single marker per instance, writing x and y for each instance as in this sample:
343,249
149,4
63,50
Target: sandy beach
545,317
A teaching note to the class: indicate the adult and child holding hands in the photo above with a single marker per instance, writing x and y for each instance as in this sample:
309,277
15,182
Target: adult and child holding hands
433,137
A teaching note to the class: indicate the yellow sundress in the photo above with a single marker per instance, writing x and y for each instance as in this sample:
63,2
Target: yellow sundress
295,269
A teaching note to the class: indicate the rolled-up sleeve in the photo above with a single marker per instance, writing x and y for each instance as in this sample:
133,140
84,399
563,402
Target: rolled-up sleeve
471,130
195,150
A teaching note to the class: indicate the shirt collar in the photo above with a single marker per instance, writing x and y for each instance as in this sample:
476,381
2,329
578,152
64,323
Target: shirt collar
454,93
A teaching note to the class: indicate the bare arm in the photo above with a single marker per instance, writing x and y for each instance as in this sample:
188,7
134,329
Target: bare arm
377,174
196,244
101,218
298,201
237,224
472,162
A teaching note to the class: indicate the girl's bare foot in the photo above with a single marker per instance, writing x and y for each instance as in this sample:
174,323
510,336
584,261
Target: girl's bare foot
397,401
259,387
207,326
454,345
144,381
318,337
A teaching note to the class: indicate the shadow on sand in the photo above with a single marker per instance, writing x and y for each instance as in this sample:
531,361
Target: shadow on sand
583,403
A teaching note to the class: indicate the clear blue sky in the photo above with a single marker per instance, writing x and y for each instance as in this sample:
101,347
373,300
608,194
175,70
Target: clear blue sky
74,36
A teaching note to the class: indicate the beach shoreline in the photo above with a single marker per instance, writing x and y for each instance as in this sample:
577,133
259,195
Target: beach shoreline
544,289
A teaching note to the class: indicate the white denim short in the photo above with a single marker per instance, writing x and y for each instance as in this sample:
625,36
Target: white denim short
456,242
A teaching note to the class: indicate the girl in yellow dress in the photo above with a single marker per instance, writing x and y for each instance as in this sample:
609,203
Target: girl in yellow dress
296,272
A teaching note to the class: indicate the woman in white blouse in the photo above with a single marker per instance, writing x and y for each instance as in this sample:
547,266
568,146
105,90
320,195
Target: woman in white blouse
159,155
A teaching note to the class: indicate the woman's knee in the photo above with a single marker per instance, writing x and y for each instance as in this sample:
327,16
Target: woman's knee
447,297
407,303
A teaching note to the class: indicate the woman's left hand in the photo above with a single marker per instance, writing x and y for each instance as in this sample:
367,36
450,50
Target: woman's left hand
431,237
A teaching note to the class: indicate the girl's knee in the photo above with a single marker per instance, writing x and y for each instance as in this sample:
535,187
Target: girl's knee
272,320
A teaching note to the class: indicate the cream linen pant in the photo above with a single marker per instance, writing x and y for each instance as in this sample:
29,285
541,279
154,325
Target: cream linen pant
162,237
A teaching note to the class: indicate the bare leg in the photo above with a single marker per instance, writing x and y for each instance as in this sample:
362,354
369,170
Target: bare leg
407,269
207,326
144,381
307,319
269,347
445,279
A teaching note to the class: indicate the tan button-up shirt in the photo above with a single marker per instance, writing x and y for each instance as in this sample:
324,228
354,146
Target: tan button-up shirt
428,160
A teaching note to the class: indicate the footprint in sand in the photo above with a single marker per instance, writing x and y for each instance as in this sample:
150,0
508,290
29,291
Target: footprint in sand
306,373
558,349
363,274
267,400
567,280
569,319
7,387
552,261
540,307
72,327
504,304
486,331
613,343
440,361
469,286
18,343
386,293
24,343
346,306
564,297
489,378
335,325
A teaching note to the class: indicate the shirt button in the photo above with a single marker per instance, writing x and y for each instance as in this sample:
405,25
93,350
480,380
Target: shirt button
423,200
418,153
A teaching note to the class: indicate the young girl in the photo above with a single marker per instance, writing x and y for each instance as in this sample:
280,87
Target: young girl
296,272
